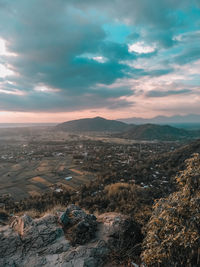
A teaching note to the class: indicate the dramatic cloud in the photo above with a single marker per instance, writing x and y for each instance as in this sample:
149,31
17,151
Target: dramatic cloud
82,55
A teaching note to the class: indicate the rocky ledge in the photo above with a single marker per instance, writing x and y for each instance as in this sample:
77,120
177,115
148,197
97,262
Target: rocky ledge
71,238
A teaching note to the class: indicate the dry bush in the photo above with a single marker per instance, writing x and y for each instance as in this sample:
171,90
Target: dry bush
125,245
116,188
173,232
33,213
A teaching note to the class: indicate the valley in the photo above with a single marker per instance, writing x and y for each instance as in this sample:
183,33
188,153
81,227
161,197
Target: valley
36,160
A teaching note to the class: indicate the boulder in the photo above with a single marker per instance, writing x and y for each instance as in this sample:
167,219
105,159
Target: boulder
79,226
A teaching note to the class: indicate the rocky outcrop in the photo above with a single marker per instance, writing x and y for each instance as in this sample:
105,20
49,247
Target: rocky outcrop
72,238
79,226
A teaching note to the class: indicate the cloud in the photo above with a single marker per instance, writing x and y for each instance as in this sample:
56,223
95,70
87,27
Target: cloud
160,93
141,48
43,101
49,49
66,47
187,55
158,19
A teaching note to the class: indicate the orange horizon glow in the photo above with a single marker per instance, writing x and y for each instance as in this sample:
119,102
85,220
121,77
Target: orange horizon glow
27,117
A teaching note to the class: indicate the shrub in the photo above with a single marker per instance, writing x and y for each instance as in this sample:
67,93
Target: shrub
116,188
173,232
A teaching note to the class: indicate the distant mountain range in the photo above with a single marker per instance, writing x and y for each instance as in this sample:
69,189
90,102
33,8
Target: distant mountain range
128,131
96,124
177,119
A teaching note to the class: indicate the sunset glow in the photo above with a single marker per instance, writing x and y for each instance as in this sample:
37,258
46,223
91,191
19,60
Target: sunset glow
86,58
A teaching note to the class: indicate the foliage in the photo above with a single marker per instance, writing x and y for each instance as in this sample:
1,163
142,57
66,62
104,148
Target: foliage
173,232
125,245
114,189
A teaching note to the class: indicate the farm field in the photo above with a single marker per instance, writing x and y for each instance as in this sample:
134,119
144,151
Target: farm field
35,161
35,177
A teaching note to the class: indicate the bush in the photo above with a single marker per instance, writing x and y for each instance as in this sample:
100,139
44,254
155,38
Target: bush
173,232
114,189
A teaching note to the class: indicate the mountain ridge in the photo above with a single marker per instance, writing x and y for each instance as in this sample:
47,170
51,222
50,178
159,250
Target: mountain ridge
176,119
156,132
97,124
119,129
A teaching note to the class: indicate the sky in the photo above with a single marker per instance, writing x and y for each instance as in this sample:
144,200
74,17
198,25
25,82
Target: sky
69,59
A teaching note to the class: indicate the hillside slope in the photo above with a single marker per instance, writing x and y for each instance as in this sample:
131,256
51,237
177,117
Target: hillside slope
156,132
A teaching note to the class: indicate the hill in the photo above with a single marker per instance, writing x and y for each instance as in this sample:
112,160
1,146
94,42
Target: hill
156,132
128,131
96,124
175,161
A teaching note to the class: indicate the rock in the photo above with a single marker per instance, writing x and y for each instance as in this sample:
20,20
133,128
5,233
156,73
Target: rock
79,226
44,232
64,219
81,241
91,255
82,232
3,218
10,242
20,223
72,207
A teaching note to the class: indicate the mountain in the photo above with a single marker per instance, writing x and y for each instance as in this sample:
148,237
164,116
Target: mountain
96,124
156,132
129,131
178,120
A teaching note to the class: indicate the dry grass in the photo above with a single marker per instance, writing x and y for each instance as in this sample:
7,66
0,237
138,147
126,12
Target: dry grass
33,213
33,193
114,189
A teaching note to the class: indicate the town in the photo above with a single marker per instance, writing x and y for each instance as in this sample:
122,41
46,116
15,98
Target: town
44,161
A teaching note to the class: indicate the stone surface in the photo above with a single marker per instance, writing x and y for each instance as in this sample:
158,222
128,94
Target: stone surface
79,226
3,217
19,224
79,241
